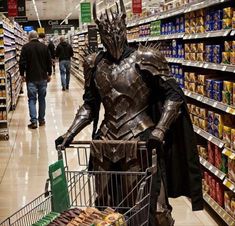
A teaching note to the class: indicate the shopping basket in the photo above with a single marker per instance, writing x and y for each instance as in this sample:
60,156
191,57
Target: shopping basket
133,203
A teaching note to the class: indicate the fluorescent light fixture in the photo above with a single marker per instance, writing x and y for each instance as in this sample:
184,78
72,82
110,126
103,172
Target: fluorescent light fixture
36,11
69,15
100,3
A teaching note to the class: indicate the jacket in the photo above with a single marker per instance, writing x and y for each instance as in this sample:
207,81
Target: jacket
64,51
35,60
51,48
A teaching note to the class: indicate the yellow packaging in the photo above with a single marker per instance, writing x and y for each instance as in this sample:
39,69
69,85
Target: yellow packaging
228,13
200,13
197,111
4,115
189,107
200,21
192,56
203,113
225,57
192,77
227,23
193,109
200,57
186,85
187,56
228,46
201,89
192,14
192,119
192,86
202,123
228,86
187,30
227,136
193,48
200,47
192,30
186,76
196,121
232,58
227,97
200,29
233,88
187,16
187,23
187,48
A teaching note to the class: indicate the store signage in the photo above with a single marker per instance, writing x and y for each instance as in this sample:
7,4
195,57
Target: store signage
137,6
12,8
21,19
92,38
3,6
41,30
21,8
53,22
85,12
28,28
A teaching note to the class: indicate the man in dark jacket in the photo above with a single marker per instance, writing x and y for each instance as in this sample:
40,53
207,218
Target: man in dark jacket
64,52
51,48
35,60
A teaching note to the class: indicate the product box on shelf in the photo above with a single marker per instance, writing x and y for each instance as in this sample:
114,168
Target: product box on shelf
228,13
227,136
231,169
211,153
218,157
224,166
226,57
220,194
233,139
229,199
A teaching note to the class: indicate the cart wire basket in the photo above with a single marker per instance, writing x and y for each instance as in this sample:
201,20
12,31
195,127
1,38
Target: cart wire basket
126,192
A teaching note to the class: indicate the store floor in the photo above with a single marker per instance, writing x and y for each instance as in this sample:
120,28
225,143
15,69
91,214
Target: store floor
24,159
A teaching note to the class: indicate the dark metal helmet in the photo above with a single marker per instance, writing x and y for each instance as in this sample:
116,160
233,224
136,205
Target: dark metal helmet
112,30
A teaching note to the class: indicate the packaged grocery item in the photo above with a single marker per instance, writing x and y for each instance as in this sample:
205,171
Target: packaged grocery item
233,206
200,57
227,136
192,56
203,113
228,197
203,152
202,78
228,46
233,139
187,30
228,86
210,84
217,49
200,21
227,24
201,89
211,116
192,22
209,49
202,123
218,157
192,30
218,86
220,194
228,13
227,97
192,14
231,169
192,86
192,77
210,94
224,167
200,47
218,15
226,57
193,47
233,23
187,56
232,58
218,25
200,29
200,13
186,76
196,121
187,48
217,96
211,154
197,111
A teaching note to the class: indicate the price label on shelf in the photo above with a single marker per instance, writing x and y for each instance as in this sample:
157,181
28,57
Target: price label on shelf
210,138
214,104
224,68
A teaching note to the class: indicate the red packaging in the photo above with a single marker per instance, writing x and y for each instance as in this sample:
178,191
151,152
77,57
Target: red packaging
218,157
210,184
211,155
213,187
219,194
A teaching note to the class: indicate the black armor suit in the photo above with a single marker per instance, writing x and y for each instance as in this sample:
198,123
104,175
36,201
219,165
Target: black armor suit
142,102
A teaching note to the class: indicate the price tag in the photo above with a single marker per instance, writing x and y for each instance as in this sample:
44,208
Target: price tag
224,68
206,65
210,138
210,168
198,98
214,104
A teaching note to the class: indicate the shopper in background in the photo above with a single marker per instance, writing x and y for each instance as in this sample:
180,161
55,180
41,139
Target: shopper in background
64,52
51,48
42,38
35,60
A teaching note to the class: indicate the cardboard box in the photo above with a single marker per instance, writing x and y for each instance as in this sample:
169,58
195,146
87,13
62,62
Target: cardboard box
227,136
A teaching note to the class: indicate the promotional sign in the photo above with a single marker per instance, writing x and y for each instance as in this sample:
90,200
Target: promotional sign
3,6
137,6
41,30
12,8
21,19
85,12
21,8
92,38
28,28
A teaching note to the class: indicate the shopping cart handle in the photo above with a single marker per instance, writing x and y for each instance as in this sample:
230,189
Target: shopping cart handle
47,193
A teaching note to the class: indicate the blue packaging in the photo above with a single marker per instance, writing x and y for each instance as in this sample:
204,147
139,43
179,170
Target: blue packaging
218,25
218,86
210,86
217,96
209,26
217,49
182,27
177,69
182,19
209,57
218,15
181,73
209,17
210,94
177,28
177,20
210,129
209,49
217,59
163,29
172,69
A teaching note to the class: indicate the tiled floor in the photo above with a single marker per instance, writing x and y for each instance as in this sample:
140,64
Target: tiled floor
24,159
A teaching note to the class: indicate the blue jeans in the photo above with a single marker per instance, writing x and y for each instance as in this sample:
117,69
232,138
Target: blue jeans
37,90
65,66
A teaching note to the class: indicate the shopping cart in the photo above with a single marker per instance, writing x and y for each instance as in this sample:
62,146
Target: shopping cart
133,202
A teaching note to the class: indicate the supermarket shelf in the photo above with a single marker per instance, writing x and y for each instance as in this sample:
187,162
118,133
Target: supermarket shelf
2,98
82,32
232,33
171,13
208,136
9,58
3,106
9,36
212,34
11,66
219,210
2,63
229,184
212,168
229,152
174,60
7,44
2,84
3,121
143,21
221,106
1,36
78,75
9,50
218,67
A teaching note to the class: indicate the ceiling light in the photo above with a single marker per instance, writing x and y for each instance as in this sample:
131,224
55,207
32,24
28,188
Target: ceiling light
36,11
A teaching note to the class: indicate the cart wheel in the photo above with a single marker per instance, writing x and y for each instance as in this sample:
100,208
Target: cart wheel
6,137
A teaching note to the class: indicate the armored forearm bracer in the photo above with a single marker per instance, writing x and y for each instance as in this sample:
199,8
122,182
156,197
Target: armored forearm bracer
171,110
82,119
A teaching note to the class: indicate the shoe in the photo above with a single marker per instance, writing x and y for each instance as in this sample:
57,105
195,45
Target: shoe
67,87
42,123
63,89
33,126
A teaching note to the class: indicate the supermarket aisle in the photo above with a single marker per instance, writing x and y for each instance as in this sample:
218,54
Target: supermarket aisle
24,159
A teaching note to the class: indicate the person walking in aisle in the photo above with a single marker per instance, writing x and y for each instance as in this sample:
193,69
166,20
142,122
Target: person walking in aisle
51,48
35,60
64,52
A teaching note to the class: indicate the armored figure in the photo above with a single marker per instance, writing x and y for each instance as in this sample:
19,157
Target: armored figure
142,102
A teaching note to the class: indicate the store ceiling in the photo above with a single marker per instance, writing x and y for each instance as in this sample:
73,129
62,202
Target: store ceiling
52,9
